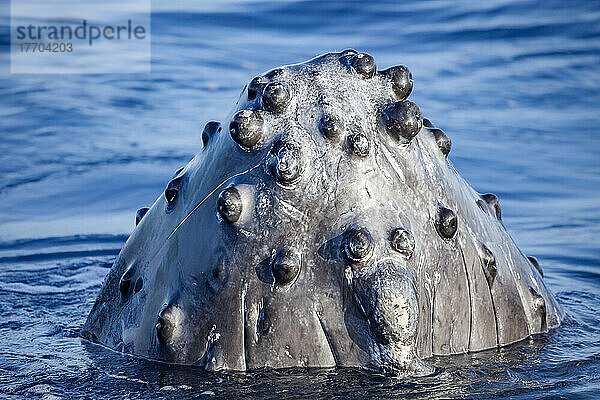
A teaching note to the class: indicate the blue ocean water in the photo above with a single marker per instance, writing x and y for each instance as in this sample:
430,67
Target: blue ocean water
515,84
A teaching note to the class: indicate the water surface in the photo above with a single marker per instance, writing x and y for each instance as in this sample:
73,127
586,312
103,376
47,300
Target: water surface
515,84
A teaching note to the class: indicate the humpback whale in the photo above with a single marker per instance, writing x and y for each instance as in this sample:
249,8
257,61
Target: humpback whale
320,225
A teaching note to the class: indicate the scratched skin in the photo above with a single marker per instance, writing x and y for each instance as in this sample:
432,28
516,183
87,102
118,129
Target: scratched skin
320,225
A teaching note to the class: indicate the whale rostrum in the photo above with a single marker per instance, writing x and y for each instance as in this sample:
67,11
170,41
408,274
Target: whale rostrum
320,225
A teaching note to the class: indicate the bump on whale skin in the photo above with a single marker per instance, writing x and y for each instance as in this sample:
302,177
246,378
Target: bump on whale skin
320,225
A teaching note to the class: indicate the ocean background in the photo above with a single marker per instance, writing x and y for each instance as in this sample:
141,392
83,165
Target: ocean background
514,84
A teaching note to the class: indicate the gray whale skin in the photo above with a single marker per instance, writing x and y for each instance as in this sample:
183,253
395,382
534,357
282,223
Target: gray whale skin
320,225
